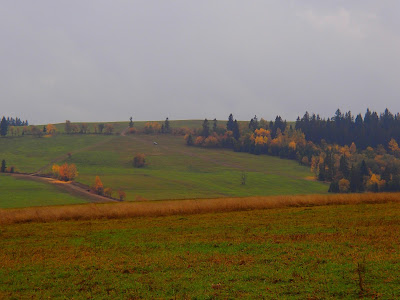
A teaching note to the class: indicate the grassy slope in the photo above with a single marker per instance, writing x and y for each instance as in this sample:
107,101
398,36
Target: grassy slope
175,171
22,193
298,253
28,153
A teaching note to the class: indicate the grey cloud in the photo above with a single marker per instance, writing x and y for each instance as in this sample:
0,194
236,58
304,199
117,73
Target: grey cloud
108,60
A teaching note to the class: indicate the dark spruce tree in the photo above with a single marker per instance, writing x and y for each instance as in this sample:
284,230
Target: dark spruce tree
253,124
215,125
3,127
229,124
189,140
344,167
3,166
343,128
167,127
206,129
235,130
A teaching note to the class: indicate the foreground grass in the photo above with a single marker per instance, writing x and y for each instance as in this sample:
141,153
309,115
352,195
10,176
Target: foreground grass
337,251
22,193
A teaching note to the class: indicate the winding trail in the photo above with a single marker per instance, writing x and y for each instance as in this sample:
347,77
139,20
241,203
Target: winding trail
73,188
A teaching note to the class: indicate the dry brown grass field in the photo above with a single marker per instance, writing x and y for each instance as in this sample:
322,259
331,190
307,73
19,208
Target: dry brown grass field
165,208
303,247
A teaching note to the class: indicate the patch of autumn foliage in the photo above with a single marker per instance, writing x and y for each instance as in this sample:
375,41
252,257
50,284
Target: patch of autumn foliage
139,161
98,186
65,172
99,189
152,127
51,129
182,207
346,168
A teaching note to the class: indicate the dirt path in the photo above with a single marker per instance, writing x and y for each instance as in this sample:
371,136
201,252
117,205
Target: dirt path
70,187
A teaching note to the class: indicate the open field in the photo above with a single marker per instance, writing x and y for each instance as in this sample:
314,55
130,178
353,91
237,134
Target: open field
22,193
319,252
174,171
29,154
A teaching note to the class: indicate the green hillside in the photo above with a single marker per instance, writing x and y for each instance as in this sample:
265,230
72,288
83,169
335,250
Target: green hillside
173,171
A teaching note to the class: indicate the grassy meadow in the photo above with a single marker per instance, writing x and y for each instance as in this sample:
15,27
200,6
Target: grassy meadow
15,192
173,171
319,252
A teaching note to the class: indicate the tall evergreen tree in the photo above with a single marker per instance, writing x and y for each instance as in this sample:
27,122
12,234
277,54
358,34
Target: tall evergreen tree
364,169
167,127
236,131
344,167
253,125
3,166
189,140
229,124
356,182
215,125
206,128
3,127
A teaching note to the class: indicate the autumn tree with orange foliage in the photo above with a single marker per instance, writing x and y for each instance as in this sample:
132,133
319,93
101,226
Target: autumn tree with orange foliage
98,186
152,127
51,129
66,172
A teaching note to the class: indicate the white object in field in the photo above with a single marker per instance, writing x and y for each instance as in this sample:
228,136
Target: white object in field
155,143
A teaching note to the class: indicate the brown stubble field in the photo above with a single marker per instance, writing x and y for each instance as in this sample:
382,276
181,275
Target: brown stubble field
301,249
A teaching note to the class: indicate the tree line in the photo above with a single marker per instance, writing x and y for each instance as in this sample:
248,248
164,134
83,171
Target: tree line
348,167
5,123
343,128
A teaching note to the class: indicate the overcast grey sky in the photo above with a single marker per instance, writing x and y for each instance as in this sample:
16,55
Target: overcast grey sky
107,60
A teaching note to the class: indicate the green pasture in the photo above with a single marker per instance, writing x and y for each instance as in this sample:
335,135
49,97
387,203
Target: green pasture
173,170
16,192
28,153
326,252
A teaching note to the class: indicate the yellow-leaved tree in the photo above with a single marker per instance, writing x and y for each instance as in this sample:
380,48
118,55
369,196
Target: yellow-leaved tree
65,172
51,129
394,147
98,186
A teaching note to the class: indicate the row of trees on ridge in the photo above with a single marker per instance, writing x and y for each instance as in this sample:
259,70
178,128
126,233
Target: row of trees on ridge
347,167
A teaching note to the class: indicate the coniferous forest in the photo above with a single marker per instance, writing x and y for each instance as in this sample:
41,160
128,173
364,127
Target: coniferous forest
343,129
352,154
